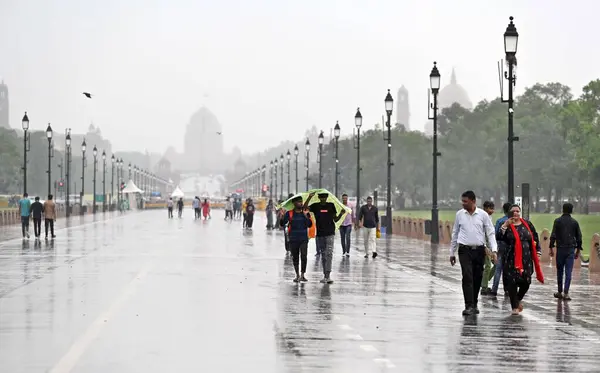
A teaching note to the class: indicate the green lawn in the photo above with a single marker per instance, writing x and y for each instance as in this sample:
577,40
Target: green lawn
590,224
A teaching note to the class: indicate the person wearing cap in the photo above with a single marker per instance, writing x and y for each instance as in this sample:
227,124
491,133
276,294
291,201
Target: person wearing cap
325,216
298,221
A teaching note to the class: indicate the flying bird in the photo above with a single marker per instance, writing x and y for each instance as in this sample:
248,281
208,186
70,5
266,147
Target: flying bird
87,94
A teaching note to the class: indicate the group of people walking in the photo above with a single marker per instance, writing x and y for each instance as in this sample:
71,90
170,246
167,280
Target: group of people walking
323,217
201,209
37,211
510,250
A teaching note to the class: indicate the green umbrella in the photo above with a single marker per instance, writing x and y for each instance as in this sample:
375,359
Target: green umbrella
339,206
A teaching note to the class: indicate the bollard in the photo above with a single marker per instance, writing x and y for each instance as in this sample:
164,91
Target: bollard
448,231
2,217
421,229
594,266
405,227
414,228
397,226
545,245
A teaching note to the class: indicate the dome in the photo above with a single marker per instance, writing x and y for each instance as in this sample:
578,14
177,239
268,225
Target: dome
454,93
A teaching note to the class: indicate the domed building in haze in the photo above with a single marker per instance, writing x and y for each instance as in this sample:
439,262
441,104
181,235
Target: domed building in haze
203,143
449,95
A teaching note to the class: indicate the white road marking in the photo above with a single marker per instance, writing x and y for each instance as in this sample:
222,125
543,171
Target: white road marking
345,327
355,337
70,359
368,348
385,362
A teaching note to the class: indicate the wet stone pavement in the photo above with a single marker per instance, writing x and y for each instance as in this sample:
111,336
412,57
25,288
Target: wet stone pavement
141,293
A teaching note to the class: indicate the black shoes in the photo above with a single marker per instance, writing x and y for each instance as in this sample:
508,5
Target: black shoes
470,311
374,255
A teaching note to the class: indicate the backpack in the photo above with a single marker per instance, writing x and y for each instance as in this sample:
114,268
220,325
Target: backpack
312,231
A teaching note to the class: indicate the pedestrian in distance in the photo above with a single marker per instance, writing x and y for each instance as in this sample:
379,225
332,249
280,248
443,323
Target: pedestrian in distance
205,209
368,220
170,207
566,236
229,209
180,207
269,210
49,215
521,257
346,227
36,213
196,207
25,212
250,209
326,216
489,269
472,230
298,221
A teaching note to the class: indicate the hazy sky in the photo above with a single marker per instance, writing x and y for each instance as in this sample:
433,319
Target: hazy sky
269,69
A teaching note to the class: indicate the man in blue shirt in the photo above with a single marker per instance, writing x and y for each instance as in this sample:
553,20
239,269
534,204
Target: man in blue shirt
299,221
25,211
501,247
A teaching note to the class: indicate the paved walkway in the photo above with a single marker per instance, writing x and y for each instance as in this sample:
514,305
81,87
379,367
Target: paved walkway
140,293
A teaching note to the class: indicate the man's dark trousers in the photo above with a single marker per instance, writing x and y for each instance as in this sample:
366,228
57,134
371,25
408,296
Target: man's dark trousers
471,263
565,259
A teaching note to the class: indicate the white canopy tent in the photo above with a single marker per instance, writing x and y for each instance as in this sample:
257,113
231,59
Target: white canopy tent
177,193
131,188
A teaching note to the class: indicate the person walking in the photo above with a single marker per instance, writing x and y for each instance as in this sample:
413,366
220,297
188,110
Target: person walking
472,230
566,236
25,212
269,210
501,248
346,227
368,220
250,209
298,222
49,215
180,207
325,216
205,209
170,207
489,269
229,209
36,213
521,257
196,207
245,215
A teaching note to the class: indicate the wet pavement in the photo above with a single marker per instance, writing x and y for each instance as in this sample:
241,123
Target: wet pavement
140,293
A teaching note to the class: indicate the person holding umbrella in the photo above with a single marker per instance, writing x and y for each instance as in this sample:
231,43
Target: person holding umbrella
326,217
298,221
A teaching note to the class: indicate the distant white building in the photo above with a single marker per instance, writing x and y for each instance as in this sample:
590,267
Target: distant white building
202,186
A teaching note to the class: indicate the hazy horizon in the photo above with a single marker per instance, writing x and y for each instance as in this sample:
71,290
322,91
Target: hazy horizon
268,70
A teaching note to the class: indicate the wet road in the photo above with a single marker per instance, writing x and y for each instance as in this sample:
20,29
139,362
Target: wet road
140,293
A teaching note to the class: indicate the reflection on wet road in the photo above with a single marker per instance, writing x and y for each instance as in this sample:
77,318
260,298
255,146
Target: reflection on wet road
140,293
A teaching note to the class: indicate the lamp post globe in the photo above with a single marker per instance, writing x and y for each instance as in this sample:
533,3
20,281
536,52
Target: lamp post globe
511,38
68,140
49,132
95,151
389,103
307,145
336,130
434,79
358,119
25,122
296,149
83,146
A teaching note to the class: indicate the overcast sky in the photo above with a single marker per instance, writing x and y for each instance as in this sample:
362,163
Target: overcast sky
269,69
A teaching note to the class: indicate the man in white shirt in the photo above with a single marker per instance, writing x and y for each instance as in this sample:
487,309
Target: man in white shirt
472,230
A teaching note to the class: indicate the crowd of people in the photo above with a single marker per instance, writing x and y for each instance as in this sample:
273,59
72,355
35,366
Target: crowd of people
509,250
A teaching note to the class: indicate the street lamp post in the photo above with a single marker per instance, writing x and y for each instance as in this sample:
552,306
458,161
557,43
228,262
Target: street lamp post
68,172
289,169
434,84
281,165
271,180
103,181
95,153
321,139
112,180
296,152
49,137
511,38
275,168
358,123
83,147
26,148
264,178
336,134
129,172
307,160
389,106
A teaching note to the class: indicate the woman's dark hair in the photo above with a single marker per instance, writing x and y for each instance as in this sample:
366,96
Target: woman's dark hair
469,194
514,205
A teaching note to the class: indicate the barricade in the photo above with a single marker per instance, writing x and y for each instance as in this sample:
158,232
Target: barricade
594,265
421,229
545,245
